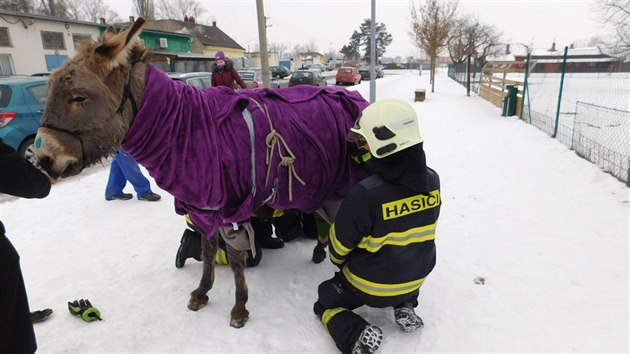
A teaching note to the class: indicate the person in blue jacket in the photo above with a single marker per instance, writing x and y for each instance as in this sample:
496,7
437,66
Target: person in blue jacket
122,169
382,239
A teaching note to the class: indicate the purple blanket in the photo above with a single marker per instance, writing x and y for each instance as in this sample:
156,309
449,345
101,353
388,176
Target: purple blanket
196,145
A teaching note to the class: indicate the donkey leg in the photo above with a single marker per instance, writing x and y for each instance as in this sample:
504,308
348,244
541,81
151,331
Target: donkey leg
198,297
239,314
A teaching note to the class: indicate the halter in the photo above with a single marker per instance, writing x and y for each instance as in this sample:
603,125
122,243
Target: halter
127,95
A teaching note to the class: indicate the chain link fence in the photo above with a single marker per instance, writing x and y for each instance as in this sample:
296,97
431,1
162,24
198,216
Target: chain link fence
585,104
458,72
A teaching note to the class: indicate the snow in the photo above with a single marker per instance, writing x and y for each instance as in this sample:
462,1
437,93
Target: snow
546,230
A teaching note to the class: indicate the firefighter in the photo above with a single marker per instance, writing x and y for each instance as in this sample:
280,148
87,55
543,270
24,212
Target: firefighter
382,239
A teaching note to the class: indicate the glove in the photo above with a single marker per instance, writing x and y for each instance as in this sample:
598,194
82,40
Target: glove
85,310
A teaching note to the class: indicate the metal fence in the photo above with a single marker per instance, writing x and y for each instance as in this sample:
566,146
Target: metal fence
458,72
587,111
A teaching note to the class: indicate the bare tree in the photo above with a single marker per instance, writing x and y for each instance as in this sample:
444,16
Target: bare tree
74,9
431,24
94,10
52,8
310,46
457,41
616,14
178,9
25,6
144,8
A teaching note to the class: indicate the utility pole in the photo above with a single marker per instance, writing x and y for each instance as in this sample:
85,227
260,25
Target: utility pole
262,39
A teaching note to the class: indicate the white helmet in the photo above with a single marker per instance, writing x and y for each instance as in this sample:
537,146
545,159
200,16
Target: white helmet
388,126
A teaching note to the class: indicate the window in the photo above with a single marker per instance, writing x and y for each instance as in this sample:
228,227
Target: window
53,40
6,67
5,40
77,38
39,92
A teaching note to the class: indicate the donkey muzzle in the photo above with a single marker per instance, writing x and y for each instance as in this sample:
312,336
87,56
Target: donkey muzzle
58,154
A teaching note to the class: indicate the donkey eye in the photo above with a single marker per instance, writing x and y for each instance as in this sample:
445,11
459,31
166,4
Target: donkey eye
78,99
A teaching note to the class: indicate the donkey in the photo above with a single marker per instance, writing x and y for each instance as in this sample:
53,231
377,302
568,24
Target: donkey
221,154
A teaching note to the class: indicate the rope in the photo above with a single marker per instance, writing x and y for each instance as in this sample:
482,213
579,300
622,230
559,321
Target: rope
272,140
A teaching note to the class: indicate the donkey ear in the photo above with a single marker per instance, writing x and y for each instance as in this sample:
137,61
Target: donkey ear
115,47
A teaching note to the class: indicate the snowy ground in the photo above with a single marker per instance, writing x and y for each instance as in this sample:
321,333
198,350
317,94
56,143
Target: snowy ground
547,230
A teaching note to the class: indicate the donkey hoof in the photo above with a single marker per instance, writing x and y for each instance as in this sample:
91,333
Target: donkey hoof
197,301
238,322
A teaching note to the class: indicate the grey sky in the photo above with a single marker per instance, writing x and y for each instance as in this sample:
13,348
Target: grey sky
330,23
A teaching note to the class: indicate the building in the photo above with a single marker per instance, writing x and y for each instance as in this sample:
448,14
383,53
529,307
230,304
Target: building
36,43
206,40
307,58
254,57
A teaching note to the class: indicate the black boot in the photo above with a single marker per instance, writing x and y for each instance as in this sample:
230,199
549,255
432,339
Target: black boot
190,246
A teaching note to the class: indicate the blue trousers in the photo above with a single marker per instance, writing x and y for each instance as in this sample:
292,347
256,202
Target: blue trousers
124,168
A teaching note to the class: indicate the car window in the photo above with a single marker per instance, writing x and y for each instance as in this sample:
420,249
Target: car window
345,71
206,82
195,82
299,74
39,93
5,96
247,75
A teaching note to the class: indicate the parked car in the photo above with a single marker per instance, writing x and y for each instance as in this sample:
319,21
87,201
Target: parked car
307,77
199,79
22,100
330,66
279,72
347,75
319,67
253,79
365,72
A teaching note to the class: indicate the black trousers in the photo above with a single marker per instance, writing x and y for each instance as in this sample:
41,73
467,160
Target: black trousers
16,330
337,298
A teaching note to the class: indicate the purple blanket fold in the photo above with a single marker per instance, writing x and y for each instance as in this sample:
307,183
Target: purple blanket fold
196,145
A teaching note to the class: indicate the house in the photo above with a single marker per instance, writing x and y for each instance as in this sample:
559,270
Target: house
274,59
579,60
36,43
33,43
307,58
206,40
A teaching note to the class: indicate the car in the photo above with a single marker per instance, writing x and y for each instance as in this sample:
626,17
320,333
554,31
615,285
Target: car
364,71
319,67
330,66
279,72
307,77
253,79
22,100
347,75
200,79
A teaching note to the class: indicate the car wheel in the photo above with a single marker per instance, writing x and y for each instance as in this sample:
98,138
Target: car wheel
27,150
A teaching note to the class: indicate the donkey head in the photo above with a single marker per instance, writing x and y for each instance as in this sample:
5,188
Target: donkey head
88,110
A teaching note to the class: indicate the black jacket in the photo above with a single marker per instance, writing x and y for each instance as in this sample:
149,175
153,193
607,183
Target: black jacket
383,235
19,177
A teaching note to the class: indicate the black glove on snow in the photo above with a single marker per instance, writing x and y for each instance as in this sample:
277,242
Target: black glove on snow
85,310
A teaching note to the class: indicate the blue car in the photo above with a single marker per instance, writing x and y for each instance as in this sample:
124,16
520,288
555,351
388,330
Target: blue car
22,100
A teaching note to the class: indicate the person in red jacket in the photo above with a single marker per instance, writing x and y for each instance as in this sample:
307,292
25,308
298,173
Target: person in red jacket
224,74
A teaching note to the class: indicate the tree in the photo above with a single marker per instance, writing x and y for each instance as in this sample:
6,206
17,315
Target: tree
431,24
53,8
383,39
94,10
470,35
361,39
351,50
616,14
25,6
178,9
144,8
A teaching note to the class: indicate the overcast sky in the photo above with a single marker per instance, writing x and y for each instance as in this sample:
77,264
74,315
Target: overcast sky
330,23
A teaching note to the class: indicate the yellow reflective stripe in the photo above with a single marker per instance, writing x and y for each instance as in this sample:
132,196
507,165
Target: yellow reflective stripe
329,314
378,289
337,246
221,257
334,259
277,213
415,235
188,219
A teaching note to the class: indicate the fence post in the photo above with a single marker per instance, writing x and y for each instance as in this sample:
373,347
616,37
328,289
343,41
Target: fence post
564,66
525,85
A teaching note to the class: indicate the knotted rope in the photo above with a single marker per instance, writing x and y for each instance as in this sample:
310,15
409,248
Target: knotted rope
272,140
